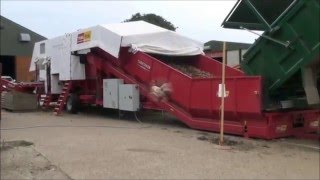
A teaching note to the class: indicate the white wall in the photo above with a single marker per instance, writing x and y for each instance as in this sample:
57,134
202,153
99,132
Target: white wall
233,58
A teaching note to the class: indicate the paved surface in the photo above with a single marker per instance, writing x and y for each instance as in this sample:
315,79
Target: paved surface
19,161
161,148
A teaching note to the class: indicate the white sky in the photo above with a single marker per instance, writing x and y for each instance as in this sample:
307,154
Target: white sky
200,20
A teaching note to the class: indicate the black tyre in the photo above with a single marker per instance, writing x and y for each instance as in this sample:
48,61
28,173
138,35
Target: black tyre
72,105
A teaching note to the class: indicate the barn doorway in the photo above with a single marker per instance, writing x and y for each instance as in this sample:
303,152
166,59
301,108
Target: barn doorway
8,66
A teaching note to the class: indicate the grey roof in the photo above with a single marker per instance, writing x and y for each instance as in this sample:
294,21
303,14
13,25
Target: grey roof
10,39
218,45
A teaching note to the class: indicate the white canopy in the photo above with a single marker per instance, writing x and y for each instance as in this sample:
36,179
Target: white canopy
140,36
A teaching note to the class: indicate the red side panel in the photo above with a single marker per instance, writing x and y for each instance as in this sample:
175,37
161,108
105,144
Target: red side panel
199,95
195,102
201,98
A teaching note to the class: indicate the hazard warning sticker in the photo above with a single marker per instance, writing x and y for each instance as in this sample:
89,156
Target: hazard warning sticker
84,37
281,128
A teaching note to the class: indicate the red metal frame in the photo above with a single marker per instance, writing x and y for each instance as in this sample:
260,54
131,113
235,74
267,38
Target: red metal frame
194,101
27,87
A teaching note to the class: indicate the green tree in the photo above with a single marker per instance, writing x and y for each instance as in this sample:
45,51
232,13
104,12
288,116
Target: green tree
153,19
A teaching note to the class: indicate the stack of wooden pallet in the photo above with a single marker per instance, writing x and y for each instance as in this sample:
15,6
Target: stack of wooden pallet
17,101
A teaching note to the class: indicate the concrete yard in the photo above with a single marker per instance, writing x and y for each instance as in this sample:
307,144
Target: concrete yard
96,144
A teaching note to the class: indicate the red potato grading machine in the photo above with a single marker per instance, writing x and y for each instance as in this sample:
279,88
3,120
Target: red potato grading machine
115,66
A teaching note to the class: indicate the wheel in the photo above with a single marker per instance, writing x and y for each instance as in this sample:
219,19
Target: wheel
73,104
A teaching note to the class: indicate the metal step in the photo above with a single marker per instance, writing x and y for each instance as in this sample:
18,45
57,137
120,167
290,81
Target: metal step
62,98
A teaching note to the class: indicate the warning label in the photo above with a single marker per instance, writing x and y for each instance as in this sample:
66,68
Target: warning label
84,37
281,128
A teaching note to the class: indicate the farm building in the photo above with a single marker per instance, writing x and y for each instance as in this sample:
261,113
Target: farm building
16,49
234,50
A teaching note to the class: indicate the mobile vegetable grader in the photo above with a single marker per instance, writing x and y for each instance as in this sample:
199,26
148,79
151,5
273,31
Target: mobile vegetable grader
117,65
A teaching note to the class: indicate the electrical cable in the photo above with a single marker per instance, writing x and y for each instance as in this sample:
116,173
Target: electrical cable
135,115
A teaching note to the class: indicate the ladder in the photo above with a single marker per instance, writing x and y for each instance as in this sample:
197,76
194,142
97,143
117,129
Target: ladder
46,100
63,97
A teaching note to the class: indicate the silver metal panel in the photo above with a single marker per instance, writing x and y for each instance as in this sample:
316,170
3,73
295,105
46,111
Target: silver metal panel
56,87
111,93
129,97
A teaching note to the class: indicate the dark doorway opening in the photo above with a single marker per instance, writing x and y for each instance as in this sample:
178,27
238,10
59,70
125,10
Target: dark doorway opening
8,66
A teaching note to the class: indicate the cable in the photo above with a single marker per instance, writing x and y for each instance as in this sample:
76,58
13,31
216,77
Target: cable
72,126
135,115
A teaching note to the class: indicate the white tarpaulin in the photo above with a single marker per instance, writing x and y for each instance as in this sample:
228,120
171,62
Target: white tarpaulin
140,36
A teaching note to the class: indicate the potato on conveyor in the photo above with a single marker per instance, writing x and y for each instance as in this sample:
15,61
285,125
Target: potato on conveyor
191,71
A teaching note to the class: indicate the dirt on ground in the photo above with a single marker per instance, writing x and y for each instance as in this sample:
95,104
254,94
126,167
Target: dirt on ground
19,160
98,144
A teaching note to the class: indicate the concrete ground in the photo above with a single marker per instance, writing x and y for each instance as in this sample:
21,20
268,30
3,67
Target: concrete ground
19,161
98,145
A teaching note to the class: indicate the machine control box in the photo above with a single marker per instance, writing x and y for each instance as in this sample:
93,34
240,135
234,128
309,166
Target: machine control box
129,97
111,93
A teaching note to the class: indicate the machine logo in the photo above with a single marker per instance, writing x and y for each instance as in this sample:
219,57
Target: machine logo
84,37
143,65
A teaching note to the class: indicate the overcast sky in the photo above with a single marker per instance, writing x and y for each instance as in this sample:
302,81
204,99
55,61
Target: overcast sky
200,20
